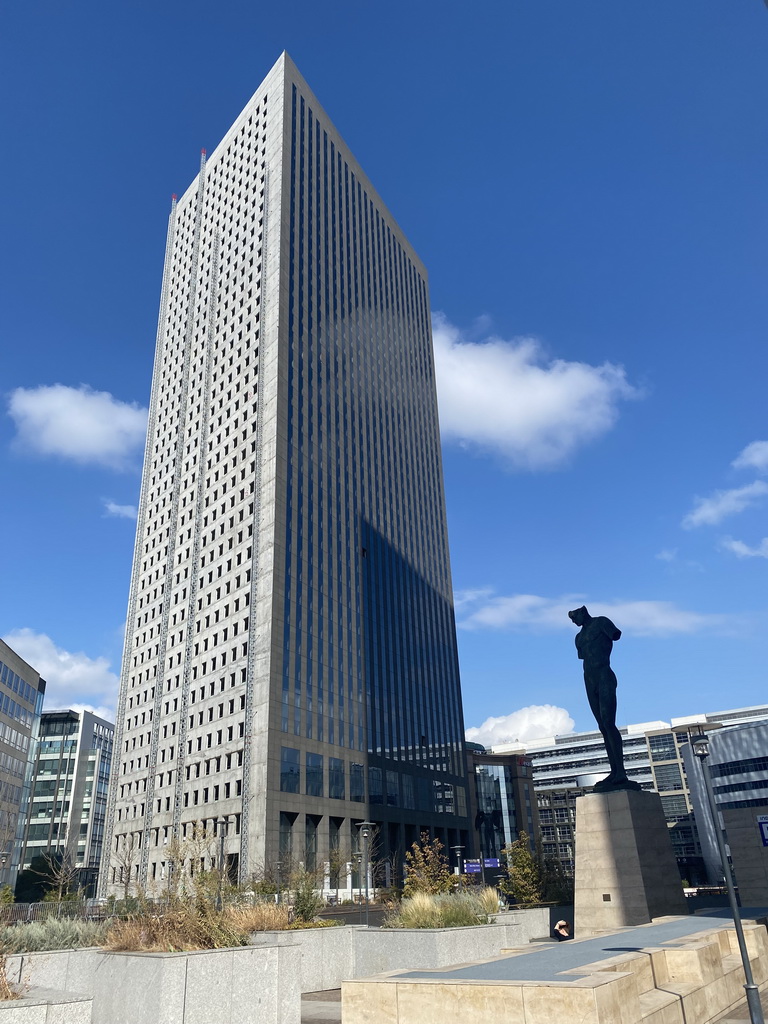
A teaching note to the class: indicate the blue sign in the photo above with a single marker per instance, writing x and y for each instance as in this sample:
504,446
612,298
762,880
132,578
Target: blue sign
492,862
762,822
472,867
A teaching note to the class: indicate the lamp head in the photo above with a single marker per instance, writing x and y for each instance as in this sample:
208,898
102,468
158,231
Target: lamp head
700,745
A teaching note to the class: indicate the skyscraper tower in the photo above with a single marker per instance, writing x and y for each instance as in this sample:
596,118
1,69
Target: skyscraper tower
290,661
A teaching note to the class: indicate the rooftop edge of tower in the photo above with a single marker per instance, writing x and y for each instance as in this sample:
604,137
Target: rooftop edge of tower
295,77
285,71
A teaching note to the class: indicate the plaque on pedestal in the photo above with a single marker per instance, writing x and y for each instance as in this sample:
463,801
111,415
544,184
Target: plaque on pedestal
626,872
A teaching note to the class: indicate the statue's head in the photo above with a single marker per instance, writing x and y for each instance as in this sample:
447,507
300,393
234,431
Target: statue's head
579,616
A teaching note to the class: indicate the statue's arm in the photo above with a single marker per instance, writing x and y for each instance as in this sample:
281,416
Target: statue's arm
609,629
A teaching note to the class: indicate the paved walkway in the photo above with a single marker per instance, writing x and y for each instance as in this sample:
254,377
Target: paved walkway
741,1013
317,1007
547,962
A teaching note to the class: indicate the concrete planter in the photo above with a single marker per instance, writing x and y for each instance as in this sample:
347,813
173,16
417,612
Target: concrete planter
46,1006
257,984
244,985
332,955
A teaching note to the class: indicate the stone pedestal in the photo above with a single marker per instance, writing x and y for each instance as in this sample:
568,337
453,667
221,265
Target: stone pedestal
626,872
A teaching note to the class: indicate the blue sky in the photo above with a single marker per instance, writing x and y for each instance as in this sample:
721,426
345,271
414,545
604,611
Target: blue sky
585,183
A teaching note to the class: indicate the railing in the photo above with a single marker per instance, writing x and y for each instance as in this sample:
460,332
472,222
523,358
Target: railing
104,909
81,910
19,913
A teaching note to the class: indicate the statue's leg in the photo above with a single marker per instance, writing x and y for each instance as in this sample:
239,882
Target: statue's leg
592,685
607,721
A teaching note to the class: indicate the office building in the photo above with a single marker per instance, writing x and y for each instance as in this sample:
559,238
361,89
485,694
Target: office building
21,701
69,792
502,799
290,662
738,765
566,766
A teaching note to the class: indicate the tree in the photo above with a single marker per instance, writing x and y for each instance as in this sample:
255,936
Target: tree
273,877
384,871
523,881
306,898
337,862
64,876
124,858
426,867
49,877
556,885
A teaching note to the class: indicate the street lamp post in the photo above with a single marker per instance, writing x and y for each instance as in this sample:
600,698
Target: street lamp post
357,859
365,833
700,745
480,826
222,824
458,851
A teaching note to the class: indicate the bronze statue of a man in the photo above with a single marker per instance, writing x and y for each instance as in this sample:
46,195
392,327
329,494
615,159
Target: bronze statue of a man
594,643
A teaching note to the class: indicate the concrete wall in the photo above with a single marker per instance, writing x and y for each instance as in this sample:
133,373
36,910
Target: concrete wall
332,955
230,986
46,1006
261,983
749,856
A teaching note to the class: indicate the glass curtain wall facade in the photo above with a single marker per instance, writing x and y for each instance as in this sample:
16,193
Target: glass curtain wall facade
503,800
69,792
21,703
291,662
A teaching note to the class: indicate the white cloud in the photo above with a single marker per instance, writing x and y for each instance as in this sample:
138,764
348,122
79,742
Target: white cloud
711,511
643,618
676,564
532,723
742,550
508,398
73,679
463,598
107,713
89,427
119,511
526,611
754,456
667,555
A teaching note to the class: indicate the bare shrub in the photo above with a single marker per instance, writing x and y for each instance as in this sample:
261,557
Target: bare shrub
7,991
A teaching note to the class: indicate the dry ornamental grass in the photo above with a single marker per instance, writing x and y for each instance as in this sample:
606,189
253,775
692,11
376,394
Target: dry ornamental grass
173,932
445,910
261,917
